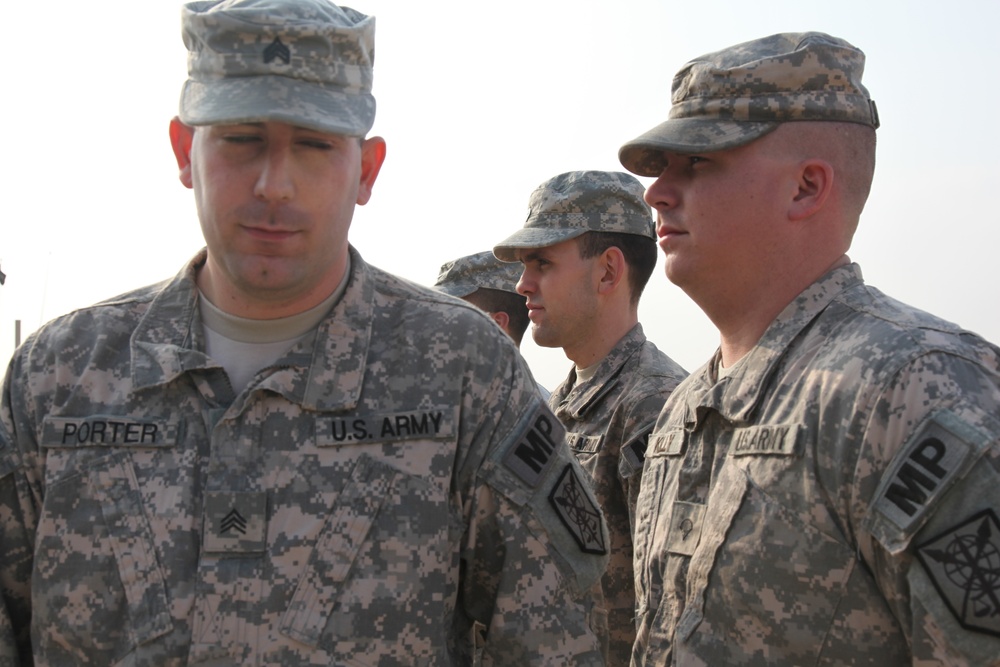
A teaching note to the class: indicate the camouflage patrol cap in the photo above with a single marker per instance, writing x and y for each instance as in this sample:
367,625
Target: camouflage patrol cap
731,97
463,276
577,202
303,62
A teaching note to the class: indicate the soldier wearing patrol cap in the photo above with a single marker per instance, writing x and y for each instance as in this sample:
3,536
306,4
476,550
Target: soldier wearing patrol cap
490,285
283,455
825,490
587,252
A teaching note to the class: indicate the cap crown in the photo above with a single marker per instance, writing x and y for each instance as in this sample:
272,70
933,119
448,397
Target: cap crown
465,275
576,202
305,62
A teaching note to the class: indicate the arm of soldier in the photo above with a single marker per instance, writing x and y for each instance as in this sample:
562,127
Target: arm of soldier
535,539
17,530
931,531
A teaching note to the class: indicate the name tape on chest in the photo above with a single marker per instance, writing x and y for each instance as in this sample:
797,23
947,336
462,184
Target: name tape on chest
108,431
765,440
669,443
433,424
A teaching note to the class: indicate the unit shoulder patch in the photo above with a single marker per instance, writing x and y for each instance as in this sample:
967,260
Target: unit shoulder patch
963,563
578,512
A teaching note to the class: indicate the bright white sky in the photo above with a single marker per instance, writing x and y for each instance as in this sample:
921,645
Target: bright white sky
479,103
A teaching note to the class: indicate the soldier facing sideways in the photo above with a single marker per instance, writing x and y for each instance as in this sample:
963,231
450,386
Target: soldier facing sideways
824,491
490,285
283,455
587,252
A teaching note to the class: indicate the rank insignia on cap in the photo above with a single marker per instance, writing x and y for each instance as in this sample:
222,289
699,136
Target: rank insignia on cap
277,50
578,513
964,565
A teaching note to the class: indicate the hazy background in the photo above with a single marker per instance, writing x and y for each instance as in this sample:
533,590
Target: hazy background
479,103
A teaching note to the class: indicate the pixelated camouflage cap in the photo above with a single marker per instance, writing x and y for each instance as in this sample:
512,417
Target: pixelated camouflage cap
303,62
731,97
463,276
577,202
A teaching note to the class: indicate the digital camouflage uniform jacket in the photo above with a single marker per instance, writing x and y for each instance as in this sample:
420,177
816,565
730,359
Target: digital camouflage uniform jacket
834,500
608,419
391,492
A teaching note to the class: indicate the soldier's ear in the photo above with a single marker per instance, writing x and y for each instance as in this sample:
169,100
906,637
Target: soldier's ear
501,318
372,157
611,266
181,136
814,183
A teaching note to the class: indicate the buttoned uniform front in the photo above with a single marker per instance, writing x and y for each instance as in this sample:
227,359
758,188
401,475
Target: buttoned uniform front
608,419
832,499
392,491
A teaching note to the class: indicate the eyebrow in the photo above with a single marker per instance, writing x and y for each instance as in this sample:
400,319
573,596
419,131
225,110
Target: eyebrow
531,255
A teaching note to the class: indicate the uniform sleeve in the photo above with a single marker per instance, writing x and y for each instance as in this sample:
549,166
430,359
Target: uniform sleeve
931,530
536,541
17,529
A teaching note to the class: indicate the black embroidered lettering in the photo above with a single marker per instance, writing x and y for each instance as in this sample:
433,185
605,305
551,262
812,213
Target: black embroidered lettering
341,435
536,449
150,431
68,431
402,425
360,429
907,495
386,428
544,427
115,428
436,418
765,441
419,426
98,432
83,432
930,463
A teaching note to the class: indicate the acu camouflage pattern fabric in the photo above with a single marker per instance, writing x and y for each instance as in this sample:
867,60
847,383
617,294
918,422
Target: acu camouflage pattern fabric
303,62
571,204
463,276
608,419
789,510
731,97
391,492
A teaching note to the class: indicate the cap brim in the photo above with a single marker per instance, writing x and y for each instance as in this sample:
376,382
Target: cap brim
277,98
459,290
644,154
532,237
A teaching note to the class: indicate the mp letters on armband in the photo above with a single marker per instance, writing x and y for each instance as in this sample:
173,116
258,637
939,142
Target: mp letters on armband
921,473
530,455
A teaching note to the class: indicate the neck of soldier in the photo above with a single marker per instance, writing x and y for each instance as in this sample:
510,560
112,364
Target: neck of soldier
613,324
744,320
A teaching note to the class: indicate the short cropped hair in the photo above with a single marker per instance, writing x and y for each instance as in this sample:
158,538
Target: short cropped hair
496,301
639,252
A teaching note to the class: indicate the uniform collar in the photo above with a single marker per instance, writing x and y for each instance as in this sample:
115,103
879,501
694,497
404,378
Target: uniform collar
577,401
323,372
737,395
